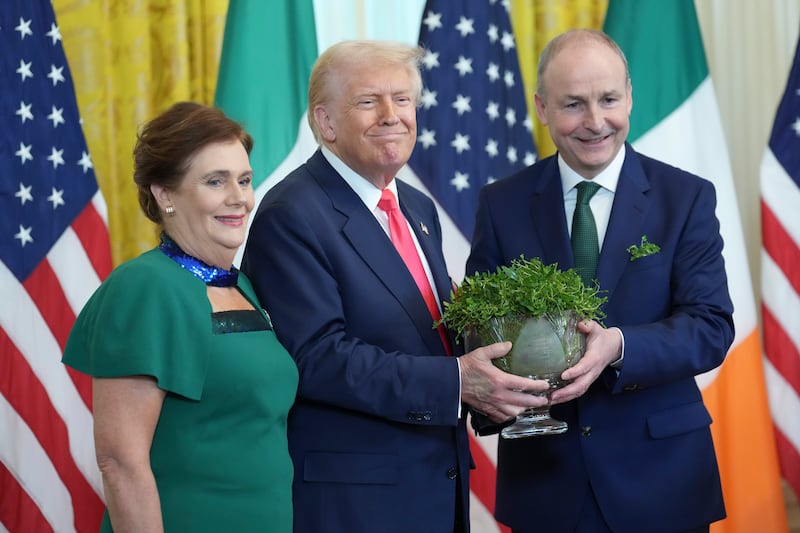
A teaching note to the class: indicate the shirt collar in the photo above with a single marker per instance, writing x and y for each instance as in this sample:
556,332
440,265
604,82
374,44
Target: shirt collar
607,179
365,190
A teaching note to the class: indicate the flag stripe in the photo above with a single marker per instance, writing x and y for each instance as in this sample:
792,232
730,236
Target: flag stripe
790,459
18,512
778,190
782,249
45,291
782,395
76,280
741,432
652,52
782,302
784,399
93,235
28,463
482,478
73,268
49,430
275,96
481,520
47,295
777,341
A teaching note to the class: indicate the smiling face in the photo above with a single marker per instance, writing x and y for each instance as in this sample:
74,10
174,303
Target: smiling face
212,203
370,119
586,103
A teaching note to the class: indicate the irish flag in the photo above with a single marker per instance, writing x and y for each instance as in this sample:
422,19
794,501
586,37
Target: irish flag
267,54
676,119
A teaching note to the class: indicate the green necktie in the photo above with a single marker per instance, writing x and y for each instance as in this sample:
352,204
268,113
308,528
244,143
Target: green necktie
584,233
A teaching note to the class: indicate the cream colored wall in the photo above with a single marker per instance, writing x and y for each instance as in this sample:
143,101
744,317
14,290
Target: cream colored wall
750,46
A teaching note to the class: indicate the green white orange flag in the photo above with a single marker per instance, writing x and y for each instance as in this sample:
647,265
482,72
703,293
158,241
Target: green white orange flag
675,118
267,54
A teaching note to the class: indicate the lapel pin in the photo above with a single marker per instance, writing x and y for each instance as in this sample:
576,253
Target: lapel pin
423,227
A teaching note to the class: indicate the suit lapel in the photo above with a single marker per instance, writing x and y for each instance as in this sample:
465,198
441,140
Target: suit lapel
371,243
549,218
625,224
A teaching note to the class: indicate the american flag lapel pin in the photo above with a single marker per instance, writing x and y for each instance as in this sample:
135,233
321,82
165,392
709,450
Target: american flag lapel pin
423,227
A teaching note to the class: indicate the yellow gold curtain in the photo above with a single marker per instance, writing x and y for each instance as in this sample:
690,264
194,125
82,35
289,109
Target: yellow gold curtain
131,59
537,21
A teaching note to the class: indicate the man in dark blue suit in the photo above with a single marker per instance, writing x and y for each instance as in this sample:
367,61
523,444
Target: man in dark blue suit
377,434
638,455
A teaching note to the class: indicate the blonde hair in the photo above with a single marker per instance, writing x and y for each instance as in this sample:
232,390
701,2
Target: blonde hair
344,54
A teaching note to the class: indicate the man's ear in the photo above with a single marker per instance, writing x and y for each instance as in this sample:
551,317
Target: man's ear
540,105
324,123
630,98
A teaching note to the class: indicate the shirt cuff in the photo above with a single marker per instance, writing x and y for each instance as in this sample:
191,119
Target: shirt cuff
459,388
617,365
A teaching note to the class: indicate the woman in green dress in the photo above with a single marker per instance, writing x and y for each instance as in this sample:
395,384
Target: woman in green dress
191,387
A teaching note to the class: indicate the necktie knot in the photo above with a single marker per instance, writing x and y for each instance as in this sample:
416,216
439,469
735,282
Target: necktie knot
387,202
586,190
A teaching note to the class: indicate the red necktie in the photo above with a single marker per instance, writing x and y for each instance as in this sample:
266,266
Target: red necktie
402,240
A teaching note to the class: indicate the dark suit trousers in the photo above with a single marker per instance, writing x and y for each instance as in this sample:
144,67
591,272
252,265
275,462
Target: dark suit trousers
592,521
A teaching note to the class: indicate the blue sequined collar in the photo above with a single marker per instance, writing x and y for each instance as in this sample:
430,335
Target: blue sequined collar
214,276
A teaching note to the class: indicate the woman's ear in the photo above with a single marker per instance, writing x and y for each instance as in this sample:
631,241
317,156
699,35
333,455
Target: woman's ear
161,194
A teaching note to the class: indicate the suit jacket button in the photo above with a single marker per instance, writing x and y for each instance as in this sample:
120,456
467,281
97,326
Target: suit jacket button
452,473
586,431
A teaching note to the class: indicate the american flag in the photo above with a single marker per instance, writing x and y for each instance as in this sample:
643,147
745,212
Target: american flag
780,275
473,128
54,250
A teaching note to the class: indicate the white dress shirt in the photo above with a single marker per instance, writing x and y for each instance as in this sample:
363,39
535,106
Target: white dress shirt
600,204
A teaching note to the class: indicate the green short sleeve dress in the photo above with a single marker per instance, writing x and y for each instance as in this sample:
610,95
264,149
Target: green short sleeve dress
219,454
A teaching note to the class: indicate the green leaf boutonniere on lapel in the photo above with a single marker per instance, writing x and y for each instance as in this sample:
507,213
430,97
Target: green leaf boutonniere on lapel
644,249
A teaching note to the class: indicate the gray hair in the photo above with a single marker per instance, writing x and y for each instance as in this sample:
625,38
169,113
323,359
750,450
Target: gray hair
561,41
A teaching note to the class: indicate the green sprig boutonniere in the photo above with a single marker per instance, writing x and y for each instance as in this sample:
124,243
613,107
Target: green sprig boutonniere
644,249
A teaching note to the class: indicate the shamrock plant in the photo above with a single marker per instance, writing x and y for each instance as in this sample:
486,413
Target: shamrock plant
525,287
644,249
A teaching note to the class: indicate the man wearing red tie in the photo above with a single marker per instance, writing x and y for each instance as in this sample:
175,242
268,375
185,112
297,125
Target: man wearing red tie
348,261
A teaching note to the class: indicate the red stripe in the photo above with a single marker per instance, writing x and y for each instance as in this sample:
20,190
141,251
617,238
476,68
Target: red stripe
780,246
29,399
46,292
92,232
483,479
789,459
18,512
780,350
